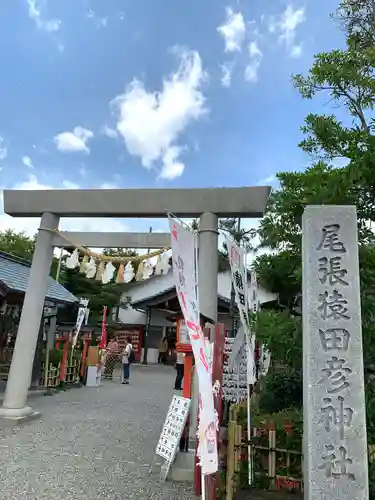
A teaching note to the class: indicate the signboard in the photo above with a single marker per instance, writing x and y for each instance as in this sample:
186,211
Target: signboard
173,427
234,387
183,333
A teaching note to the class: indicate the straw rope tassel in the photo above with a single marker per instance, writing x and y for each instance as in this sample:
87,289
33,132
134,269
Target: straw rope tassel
84,264
139,275
120,274
100,271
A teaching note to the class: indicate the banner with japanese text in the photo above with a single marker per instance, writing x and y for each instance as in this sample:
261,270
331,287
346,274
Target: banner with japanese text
237,261
82,312
185,271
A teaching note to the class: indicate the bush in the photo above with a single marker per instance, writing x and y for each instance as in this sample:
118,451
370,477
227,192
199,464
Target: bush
55,357
281,391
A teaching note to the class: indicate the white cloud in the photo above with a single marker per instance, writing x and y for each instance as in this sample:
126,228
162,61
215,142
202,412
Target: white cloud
267,180
35,13
109,132
83,170
68,142
233,30
285,25
151,122
172,168
30,225
108,185
226,75
255,59
3,149
296,51
69,184
26,160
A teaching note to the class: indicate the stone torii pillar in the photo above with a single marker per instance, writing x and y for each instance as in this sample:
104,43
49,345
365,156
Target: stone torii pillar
208,263
131,203
14,405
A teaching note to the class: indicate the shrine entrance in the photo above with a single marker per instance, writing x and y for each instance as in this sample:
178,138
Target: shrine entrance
207,204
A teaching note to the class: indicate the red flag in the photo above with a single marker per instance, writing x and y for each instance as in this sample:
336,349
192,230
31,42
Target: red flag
103,338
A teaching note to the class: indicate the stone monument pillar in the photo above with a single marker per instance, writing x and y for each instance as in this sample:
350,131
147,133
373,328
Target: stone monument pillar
335,443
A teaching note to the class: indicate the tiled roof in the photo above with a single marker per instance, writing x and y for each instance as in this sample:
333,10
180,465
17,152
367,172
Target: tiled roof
14,274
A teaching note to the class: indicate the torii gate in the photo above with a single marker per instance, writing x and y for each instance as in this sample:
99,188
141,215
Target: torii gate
208,204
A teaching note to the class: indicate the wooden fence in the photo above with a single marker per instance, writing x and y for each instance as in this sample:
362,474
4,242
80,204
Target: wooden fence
275,454
53,376
72,374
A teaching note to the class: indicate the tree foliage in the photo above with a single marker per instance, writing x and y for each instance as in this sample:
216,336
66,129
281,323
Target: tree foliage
99,295
18,244
342,148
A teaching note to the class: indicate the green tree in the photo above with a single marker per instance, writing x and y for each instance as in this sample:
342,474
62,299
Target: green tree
17,244
99,295
347,76
119,252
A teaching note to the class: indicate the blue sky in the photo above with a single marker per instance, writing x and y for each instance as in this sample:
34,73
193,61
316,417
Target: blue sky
157,93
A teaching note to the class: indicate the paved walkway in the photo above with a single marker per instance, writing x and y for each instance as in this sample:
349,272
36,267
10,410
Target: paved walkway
95,443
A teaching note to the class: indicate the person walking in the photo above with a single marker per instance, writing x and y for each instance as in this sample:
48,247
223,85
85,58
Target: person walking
127,356
111,357
163,349
180,371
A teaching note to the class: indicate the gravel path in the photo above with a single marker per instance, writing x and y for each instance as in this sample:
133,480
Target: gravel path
95,443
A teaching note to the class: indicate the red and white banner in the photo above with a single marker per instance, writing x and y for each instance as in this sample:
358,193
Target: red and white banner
185,271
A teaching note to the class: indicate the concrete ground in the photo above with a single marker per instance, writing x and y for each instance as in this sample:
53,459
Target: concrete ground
91,443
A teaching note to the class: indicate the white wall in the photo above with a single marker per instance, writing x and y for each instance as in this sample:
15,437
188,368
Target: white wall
158,284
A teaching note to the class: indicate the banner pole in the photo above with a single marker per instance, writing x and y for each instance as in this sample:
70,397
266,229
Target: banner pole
203,487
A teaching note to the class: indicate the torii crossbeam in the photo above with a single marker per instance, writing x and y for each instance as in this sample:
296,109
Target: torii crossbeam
207,204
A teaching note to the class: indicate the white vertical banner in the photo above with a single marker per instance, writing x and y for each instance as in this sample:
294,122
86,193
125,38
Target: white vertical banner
237,261
236,257
184,257
254,302
82,311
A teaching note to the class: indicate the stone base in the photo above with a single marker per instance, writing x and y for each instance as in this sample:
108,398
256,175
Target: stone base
18,415
182,469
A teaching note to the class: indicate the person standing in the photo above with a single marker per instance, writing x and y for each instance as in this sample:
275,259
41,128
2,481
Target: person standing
180,371
163,349
126,360
111,357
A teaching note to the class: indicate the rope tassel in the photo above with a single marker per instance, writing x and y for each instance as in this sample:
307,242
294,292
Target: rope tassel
84,264
120,274
100,271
